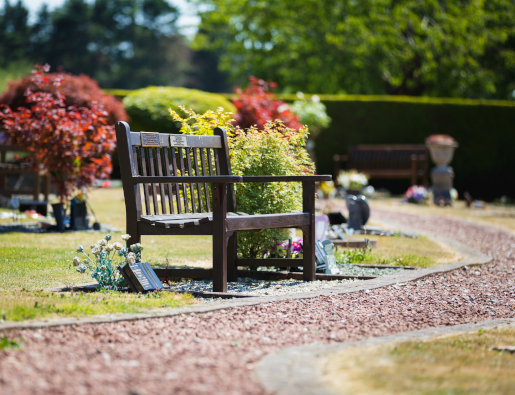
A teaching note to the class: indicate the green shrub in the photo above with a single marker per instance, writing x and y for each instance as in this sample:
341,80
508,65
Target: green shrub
268,152
148,107
274,150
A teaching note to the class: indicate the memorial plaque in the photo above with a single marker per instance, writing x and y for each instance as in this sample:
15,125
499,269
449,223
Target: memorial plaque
140,277
178,140
359,211
149,139
330,260
320,254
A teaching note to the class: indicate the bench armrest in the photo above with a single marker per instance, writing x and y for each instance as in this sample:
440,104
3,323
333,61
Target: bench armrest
186,179
315,178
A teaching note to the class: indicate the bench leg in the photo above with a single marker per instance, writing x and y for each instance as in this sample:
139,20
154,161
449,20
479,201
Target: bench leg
232,246
308,232
219,193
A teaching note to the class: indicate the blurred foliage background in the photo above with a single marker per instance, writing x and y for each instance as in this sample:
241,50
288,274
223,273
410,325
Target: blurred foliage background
120,43
443,48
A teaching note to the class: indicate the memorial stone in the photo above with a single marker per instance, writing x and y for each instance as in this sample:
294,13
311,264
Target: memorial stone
359,211
140,277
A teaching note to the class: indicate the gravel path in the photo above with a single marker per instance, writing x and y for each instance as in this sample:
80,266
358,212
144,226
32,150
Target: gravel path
249,286
216,352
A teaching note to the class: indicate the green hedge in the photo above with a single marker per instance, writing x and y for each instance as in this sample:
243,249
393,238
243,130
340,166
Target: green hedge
484,163
148,107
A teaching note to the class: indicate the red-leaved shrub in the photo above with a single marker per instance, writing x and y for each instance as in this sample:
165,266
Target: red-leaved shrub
77,90
72,143
257,105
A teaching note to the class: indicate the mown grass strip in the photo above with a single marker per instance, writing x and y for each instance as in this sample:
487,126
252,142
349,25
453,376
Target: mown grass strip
32,305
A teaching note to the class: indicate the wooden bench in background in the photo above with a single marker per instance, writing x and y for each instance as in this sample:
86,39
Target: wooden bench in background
183,185
386,161
19,178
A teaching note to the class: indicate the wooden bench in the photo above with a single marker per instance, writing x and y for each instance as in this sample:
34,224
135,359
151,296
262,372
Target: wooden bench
9,168
183,185
386,161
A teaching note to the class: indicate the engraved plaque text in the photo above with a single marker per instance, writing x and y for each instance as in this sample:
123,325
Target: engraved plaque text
149,139
178,141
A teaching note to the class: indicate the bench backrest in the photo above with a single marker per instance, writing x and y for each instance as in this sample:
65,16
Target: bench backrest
155,154
363,157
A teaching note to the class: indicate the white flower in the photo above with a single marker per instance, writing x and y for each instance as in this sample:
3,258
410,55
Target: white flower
80,249
315,98
102,242
96,250
109,247
126,236
82,268
85,261
76,261
117,246
103,267
131,260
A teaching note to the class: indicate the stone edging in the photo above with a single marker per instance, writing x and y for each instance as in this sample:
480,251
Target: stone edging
471,257
298,370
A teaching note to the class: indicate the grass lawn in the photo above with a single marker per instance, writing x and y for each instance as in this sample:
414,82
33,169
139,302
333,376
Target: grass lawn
27,305
30,263
451,365
421,252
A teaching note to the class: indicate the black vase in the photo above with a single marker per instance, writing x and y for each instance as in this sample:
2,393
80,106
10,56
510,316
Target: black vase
59,215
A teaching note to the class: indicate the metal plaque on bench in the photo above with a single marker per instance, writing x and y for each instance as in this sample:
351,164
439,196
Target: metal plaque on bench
178,140
140,277
149,139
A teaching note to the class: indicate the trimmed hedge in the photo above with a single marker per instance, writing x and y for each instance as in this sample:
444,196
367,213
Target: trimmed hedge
148,107
484,163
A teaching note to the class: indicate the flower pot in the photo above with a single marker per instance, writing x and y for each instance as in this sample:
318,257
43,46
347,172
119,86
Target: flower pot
59,215
441,153
78,215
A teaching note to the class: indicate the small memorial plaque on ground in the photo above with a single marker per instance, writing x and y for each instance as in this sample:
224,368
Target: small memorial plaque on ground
140,277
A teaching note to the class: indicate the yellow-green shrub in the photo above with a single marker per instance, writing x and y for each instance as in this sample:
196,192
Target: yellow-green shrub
148,107
275,150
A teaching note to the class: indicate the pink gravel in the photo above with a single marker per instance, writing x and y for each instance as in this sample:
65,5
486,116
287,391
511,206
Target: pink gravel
216,352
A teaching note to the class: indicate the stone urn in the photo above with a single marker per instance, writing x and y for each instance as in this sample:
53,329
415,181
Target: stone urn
441,152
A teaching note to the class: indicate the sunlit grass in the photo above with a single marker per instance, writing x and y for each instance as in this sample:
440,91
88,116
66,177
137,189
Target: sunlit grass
460,364
29,305
420,252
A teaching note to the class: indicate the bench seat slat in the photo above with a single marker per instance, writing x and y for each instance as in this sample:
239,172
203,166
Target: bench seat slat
182,220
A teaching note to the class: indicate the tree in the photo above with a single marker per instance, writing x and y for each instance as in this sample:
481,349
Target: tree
14,33
121,43
404,47
72,143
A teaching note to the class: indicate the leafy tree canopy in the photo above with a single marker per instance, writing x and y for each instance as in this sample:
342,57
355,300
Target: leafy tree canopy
449,48
120,43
